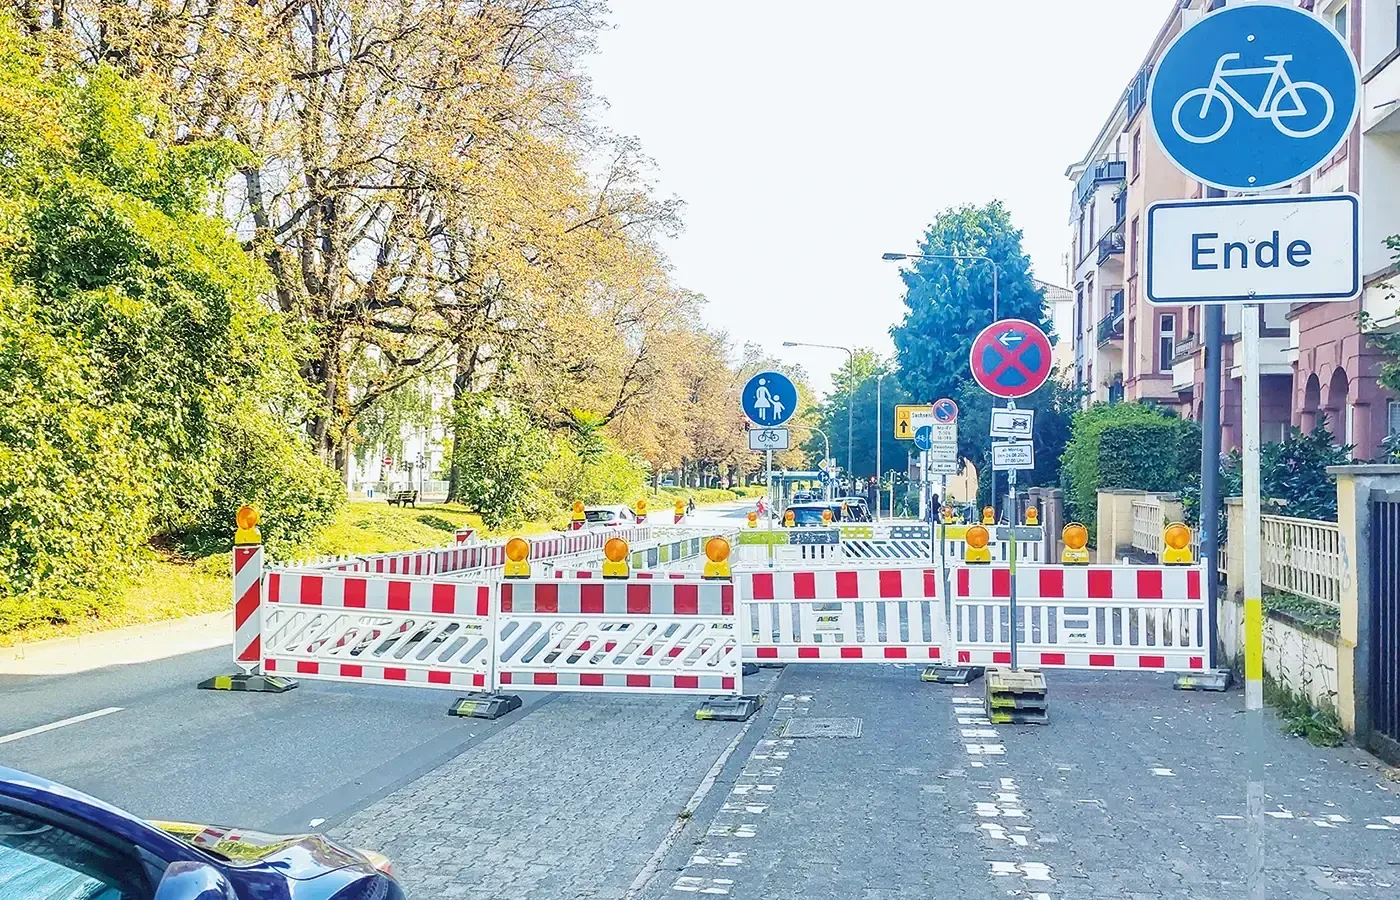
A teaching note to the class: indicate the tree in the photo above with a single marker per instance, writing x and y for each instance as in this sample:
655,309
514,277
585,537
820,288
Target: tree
862,372
949,301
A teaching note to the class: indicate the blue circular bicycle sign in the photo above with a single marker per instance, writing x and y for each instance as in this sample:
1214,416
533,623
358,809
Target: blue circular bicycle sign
1254,96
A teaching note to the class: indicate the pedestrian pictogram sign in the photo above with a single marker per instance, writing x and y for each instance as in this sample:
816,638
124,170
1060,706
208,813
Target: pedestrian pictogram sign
769,399
1011,359
903,425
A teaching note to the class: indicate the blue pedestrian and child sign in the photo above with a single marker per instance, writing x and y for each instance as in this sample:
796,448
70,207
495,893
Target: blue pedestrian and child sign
769,399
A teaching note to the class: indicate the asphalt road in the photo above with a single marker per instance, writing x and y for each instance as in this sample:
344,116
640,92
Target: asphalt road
157,746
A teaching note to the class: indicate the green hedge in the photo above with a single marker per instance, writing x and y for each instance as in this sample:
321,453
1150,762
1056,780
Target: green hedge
1125,446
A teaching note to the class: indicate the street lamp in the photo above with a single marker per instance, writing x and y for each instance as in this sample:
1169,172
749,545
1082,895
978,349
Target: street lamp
850,403
878,436
825,440
996,270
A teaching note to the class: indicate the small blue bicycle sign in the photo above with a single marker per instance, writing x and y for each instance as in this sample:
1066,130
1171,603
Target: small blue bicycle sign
1254,96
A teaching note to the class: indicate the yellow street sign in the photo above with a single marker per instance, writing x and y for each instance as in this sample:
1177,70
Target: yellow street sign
903,430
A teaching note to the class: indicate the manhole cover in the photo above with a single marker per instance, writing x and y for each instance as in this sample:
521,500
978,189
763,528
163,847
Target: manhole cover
808,727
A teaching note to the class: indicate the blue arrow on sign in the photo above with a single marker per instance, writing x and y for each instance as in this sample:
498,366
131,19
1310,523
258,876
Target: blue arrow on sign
923,438
1254,96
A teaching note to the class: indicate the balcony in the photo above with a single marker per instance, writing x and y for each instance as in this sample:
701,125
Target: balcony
1105,171
1111,325
1111,244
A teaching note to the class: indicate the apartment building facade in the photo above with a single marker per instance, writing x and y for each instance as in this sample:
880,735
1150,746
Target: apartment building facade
1316,364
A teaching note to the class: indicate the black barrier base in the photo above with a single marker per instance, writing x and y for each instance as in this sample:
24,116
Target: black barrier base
951,674
1214,680
262,684
729,709
484,705
1016,697
750,668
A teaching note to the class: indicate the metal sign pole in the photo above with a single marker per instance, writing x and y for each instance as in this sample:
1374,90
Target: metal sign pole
1253,595
1011,557
949,656
771,508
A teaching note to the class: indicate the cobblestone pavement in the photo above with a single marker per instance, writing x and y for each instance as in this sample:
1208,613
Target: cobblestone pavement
568,802
1133,791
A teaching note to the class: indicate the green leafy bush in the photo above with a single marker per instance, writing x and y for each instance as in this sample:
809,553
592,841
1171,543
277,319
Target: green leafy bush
1125,446
501,455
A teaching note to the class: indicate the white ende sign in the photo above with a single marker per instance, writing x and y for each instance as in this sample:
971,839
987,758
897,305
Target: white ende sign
768,439
1012,455
1295,248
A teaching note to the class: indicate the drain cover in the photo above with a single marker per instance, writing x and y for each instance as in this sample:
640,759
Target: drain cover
808,727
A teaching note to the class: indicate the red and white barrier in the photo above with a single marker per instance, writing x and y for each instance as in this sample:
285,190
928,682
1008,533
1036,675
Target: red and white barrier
852,615
343,626
247,605
644,636
1086,617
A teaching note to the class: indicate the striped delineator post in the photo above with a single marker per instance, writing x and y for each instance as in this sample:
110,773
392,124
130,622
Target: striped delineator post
247,613
247,606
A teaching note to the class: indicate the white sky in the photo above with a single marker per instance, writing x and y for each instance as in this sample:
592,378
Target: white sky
809,137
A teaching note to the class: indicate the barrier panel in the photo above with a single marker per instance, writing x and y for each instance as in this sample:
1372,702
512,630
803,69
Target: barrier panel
633,635
373,628
852,615
1083,617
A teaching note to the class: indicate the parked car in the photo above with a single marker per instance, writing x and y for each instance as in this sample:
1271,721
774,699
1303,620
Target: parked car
854,509
60,844
609,516
811,513
806,496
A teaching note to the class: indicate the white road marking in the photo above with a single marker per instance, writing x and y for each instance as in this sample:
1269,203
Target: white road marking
40,729
317,823
1166,773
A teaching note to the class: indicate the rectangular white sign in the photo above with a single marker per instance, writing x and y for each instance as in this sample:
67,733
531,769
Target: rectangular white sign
1295,248
945,433
768,439
1013,455
1012,423
946,452
943,466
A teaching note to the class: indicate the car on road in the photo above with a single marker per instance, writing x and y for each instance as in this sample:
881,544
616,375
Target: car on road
854,509
811,513
609,516
806,496
60,844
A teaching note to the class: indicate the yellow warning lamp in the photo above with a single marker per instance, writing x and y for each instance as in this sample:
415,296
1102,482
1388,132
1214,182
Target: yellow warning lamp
977,552
753,519
615,559
247,518
642,509
1076,538
1032,516
578,516
716,558
1177,538
517,558
989,516
680,509
947,515
826,517
789,519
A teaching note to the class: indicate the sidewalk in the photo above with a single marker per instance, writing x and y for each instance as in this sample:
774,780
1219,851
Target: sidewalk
119,646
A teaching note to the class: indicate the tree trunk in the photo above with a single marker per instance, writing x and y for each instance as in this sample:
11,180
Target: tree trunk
462,385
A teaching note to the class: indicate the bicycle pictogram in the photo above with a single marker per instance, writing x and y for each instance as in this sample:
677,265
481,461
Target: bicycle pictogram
1283,99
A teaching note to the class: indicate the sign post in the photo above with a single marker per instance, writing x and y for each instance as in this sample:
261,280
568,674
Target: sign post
1250,98
769,399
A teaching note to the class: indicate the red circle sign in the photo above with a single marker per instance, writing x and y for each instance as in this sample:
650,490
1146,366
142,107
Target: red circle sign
1011,359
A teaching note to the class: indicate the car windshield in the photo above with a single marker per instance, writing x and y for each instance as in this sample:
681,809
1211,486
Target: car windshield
600,515
807,515
40,861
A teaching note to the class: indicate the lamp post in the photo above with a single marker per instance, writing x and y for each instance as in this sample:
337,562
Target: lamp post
851,397
825,440
878,435
996,270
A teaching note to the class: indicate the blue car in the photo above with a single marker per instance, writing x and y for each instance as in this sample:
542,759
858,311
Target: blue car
59,844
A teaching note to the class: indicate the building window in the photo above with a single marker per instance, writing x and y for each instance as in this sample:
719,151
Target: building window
1339,21
1129,327
1392,413
1137,152
1133,247
1166,341
1093,234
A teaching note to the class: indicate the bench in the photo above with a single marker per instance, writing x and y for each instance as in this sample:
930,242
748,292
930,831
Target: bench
403,498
